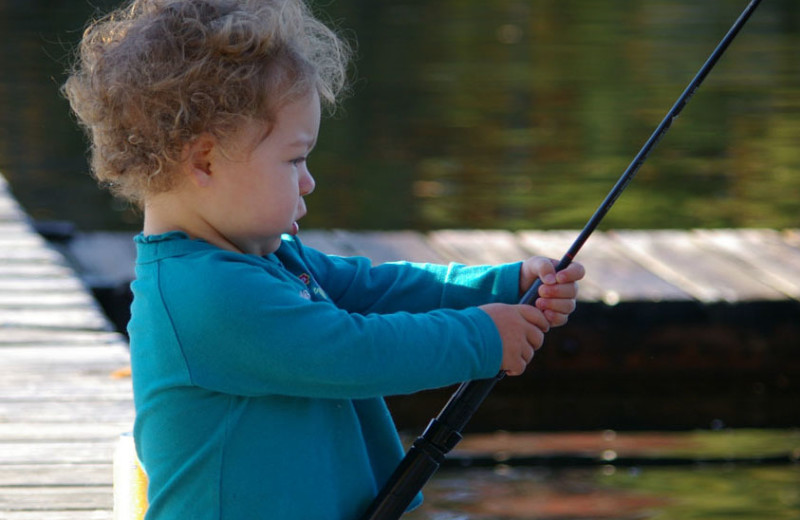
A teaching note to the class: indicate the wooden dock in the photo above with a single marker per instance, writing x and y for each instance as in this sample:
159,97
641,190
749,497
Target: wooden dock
664,315
61,411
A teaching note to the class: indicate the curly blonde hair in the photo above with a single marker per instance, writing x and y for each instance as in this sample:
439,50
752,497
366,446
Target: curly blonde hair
155,74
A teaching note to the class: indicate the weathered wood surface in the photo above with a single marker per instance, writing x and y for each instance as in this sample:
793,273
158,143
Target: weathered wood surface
61,411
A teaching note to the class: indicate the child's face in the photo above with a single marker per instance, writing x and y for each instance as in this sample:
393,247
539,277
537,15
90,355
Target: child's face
259,195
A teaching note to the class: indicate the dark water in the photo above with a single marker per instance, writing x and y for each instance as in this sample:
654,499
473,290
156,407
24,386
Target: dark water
658,493
678,488
472,114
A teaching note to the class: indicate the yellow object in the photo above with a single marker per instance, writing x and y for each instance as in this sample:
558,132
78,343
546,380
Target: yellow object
130,481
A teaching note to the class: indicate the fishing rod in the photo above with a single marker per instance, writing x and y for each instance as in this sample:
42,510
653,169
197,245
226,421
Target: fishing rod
444,432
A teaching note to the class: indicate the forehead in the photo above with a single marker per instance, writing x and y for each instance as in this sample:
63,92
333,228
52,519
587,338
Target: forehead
294,123
298,119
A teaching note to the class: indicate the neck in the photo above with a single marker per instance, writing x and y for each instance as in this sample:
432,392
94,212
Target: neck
164,213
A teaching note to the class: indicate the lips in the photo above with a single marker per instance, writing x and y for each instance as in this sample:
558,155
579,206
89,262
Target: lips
301,212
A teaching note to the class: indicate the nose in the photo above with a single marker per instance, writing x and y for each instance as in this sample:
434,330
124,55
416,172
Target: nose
307,183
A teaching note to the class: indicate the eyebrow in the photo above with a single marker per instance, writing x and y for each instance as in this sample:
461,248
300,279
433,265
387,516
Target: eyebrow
304,142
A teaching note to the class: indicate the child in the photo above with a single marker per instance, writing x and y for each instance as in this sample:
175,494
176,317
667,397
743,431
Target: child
259,365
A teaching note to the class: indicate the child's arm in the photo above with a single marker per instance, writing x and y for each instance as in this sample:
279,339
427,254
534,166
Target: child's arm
244,331
421,287
356,285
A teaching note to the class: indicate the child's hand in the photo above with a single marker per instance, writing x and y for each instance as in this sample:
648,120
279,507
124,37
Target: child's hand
522,329
558,291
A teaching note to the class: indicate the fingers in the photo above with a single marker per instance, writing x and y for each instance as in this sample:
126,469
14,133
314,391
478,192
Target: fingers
546,269
516,365
535,317
560,290
573,272
522,329
557,299
552,281
556,305
563,283
556,319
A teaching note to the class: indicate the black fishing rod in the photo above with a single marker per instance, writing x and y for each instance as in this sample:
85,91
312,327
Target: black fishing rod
444,432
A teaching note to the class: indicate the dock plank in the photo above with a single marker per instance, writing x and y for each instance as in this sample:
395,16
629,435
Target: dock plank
762,255
52,360
58,515
21,270
59,432
50,301
9,209
390,246
18,229
54,499
117,411
67,474
64,391
41,285
325,241
476,247
20,235
20,251
56,453
103,514
64,318
700,271
34,336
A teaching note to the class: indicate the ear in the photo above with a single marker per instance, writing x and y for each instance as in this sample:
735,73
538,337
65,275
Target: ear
196,163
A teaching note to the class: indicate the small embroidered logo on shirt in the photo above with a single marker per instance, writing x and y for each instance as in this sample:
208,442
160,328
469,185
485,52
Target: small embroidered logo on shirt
319,291
313,286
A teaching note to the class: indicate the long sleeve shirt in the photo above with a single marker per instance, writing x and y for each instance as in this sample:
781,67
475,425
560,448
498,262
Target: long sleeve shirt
258,380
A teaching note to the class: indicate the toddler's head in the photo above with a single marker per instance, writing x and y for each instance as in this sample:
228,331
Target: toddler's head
156,74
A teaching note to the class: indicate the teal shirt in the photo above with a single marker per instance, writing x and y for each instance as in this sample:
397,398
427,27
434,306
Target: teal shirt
258,381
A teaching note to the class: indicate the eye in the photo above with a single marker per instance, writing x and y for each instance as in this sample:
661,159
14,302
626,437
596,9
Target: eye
297,161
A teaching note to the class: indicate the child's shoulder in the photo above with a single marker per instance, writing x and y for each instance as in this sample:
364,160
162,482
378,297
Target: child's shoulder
185,257
198,275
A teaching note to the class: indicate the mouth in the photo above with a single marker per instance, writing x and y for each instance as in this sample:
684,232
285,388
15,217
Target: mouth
295,227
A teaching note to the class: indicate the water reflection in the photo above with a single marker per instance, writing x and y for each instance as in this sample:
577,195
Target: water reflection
701,493
676,476
508,114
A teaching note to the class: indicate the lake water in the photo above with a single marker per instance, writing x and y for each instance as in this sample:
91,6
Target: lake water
609,493
507,114
623,476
